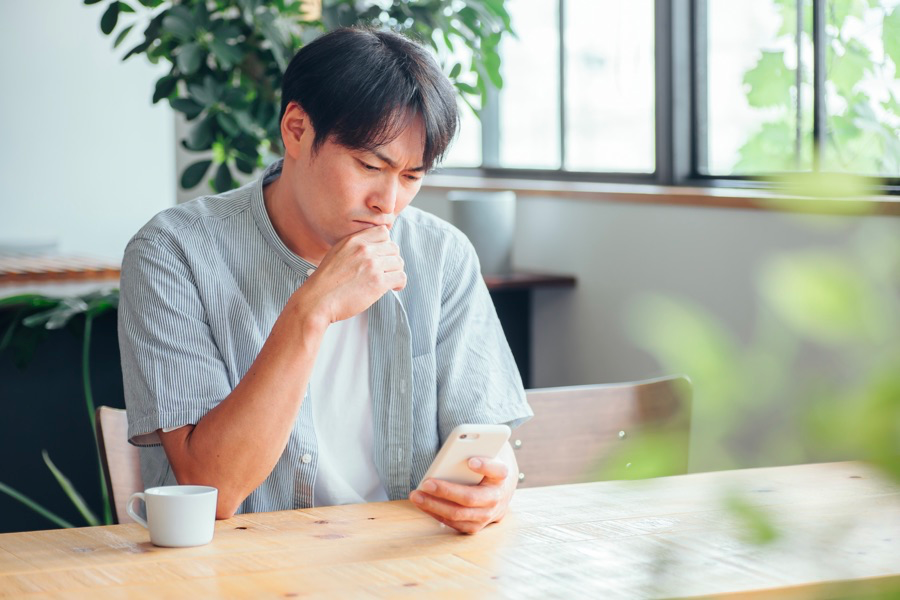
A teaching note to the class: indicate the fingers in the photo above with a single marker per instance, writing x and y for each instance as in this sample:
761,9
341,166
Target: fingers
492,469
472,496
463,519
372,234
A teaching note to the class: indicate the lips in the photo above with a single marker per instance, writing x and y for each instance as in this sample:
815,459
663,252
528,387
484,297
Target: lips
371,224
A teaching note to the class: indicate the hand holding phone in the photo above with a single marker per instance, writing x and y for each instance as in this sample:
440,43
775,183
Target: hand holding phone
465,442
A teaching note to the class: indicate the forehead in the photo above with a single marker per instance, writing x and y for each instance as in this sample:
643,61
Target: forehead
405,144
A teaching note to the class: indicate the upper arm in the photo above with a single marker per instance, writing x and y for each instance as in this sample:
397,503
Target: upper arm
477,377
175,443
172,369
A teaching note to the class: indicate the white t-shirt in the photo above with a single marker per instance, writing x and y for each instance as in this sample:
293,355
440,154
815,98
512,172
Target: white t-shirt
342,413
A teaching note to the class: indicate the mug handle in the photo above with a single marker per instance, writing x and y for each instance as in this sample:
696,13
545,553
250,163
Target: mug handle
128,507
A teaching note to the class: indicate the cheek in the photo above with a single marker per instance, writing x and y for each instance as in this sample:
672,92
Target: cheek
407,198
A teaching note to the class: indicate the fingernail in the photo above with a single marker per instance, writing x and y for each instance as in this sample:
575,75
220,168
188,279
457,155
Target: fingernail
429,486
475,463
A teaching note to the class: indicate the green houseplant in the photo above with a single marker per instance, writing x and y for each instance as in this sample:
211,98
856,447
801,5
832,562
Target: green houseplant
227,57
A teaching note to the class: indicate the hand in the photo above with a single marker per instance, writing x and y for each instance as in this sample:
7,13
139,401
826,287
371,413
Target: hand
354,274
469,508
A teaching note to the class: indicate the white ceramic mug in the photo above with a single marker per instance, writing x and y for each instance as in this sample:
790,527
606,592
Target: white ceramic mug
177,515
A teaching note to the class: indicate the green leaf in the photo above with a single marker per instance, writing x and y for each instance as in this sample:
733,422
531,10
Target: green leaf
122,35
125,8
179,23
223,181
890,35
189,58
455,71
206,93
759,527
466,88
769,150
188,107
37,300
71,492
227,54
89,2
244,165
228,124
58,316
164,87
770,81
849,69
822,297
34,505
194,174
201,136
110,18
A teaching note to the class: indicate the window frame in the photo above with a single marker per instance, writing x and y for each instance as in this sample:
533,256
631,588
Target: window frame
680,38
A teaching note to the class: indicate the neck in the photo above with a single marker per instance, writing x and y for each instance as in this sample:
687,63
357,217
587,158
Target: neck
288,224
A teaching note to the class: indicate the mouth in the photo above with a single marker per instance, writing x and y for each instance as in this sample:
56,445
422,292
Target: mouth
370,224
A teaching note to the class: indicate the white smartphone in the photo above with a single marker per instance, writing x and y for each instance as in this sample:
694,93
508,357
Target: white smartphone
465,442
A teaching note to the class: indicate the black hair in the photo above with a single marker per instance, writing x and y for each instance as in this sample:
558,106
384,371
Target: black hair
362,86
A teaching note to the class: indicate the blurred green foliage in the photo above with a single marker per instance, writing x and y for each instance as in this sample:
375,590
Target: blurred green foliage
761,401
863,120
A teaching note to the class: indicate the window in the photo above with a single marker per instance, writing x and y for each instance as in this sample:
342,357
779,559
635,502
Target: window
681,91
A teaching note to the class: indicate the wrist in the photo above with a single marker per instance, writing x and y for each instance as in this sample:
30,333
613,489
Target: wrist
306,315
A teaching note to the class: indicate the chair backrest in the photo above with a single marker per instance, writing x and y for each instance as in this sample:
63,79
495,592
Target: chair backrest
591,432
121,461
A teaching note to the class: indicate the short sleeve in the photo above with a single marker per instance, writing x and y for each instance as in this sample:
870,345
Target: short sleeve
172,369
477,377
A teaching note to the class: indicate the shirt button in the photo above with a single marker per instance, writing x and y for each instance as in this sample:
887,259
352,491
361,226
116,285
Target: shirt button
306,458
309,272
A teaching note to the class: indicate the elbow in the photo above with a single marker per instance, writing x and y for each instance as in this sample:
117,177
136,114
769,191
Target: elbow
224,511
228,499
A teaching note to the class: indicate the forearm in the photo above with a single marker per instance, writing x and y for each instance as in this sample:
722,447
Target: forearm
236,445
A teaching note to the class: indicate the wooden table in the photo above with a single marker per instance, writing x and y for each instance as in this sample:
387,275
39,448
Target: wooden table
666,537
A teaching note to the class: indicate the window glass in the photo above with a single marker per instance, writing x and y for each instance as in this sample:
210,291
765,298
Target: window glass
862,96
756,121
529,100
466,148
609,85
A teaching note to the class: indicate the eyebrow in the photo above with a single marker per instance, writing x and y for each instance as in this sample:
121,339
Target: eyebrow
393,164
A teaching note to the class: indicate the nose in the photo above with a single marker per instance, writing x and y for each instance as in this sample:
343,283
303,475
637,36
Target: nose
383,198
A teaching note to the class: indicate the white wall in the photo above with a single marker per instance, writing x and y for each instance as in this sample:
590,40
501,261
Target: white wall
85,158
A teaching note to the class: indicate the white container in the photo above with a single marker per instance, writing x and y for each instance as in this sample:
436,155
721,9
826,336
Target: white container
177,515
489,221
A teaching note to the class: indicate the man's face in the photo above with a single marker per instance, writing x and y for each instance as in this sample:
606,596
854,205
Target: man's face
339,191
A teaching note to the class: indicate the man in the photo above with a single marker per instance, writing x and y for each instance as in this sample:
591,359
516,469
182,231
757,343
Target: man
298,342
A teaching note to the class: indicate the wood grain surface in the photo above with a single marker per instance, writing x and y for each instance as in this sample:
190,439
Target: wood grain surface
838,524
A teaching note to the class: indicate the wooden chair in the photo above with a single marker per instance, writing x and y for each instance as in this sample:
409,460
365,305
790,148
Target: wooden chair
613,431
121,460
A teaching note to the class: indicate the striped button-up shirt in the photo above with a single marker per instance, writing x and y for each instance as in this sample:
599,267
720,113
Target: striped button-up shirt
202,286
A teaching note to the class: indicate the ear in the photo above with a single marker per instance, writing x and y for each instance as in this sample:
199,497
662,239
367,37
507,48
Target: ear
296,131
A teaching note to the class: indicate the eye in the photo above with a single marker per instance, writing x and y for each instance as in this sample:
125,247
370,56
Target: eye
412,178
369,167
